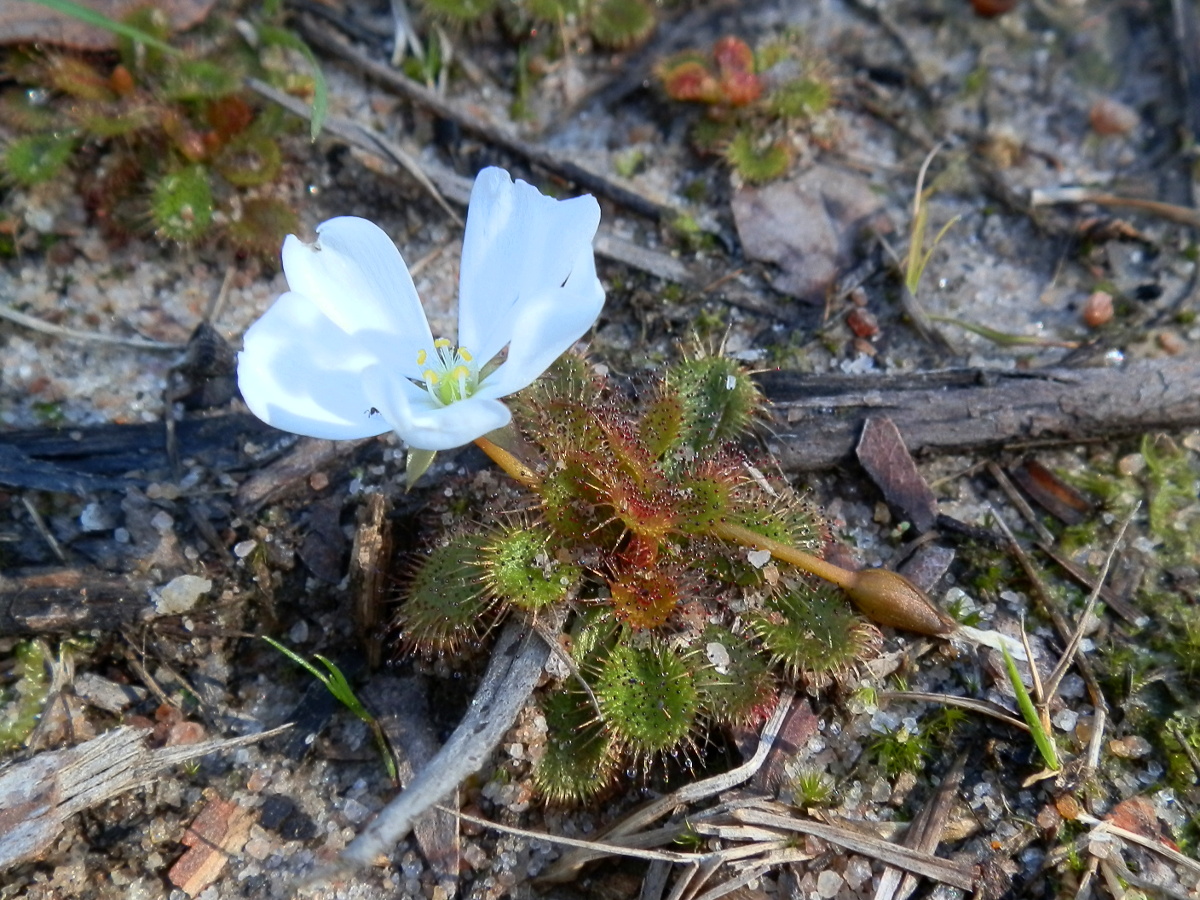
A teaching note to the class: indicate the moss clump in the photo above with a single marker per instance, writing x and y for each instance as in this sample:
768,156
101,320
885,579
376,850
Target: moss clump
21,702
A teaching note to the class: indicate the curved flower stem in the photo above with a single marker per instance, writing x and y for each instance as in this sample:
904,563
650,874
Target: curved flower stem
885,597
509,463
805,562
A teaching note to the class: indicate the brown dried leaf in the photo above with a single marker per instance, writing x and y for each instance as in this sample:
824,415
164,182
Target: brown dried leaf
882,453
1050,492
22,22
807,226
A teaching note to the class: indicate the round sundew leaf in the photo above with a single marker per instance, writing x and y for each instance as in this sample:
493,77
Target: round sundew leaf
648,696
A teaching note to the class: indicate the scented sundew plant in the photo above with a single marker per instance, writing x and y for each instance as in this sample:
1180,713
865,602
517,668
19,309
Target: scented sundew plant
691,583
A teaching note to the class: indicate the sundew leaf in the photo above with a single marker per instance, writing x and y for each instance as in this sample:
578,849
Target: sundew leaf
91,17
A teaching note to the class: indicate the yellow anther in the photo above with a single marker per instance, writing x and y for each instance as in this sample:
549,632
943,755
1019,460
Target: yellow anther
441,342
460,372
421,357
431,377
465,354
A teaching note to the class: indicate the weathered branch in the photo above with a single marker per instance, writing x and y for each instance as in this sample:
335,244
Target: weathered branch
818,418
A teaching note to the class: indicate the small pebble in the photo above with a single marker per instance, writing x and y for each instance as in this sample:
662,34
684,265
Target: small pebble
1066,720
758,558
95,518
298,633
318,481
1112,117
258,848
180,594
862,323
1097,309
829,883
1172,343
183,733
858,872
1133,464
242,549
354,811
1133,747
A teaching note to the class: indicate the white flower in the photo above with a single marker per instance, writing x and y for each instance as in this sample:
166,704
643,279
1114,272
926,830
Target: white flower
347,351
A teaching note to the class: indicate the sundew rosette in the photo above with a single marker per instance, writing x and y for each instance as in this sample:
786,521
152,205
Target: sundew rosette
347,352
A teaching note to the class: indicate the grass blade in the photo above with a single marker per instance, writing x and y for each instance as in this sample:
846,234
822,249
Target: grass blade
1044,742
320,101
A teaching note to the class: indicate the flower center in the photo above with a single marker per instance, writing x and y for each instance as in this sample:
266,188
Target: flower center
451,374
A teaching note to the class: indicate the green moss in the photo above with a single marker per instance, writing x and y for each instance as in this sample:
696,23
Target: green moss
21,702
1173,484
810,787
900,751
630,162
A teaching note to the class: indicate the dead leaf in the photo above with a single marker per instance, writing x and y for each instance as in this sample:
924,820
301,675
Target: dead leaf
1051,493
882,453
807,226
22,22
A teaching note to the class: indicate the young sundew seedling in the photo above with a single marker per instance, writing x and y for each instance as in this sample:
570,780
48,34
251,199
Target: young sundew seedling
758,105
694,580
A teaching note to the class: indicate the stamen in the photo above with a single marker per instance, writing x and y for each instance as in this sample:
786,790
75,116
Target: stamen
452,376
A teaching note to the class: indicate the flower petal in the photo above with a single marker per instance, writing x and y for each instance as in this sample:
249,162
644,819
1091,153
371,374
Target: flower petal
545,327
424,425
303,374
518,245
357,278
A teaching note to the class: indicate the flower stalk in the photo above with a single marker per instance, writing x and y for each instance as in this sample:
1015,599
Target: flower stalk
516,469
884,596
